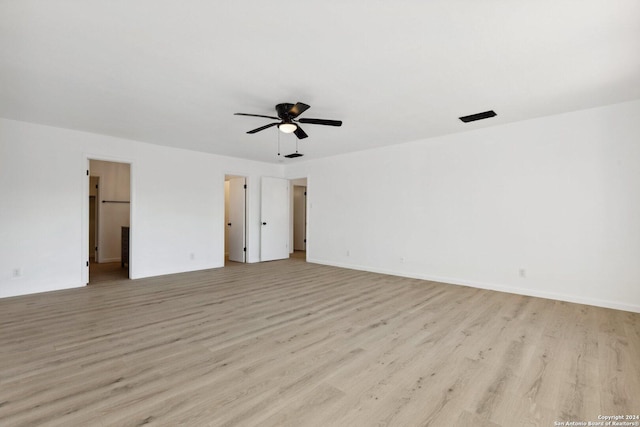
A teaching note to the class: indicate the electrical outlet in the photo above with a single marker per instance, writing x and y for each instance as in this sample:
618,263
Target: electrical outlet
522,272
16,272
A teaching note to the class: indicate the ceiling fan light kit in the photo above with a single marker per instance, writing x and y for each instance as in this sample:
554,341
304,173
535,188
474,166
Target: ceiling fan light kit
287,127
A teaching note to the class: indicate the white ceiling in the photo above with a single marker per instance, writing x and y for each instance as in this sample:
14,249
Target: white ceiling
174,72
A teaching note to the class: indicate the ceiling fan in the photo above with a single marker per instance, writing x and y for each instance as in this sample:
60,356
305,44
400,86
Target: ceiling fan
288,121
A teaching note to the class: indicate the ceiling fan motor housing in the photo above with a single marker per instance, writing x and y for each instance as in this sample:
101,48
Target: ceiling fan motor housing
283,111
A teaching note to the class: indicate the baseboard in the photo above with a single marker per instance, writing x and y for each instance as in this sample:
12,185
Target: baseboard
16,294
490,286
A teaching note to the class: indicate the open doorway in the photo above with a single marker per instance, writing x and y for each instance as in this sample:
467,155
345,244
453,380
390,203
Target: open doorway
109,221
235,198
298,226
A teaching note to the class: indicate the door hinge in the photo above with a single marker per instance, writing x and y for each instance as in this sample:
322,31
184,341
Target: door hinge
244,249
87,172
305,240
87,263
305,193
96,248
245,186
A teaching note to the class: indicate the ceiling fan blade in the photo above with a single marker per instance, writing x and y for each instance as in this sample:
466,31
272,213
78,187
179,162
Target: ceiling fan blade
263,127
300,133
321,122
256,115
298,109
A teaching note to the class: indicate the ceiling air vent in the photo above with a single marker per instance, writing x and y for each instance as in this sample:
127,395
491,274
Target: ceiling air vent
293,155
478,116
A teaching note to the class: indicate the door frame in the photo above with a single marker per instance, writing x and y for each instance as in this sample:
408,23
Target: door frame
295,208
96,236
307,213
84,232
246,211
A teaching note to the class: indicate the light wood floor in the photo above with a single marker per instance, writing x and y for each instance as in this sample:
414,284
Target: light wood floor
292,343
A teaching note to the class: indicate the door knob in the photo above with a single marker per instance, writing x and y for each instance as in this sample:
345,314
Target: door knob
229,224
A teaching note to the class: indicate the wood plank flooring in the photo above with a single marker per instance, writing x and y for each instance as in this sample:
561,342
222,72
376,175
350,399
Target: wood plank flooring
291,343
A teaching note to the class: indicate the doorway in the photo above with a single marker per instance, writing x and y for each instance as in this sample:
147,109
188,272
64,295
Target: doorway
298,227
109,221
235,206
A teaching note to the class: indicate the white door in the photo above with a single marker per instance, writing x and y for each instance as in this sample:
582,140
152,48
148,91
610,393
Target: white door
236,223
274,235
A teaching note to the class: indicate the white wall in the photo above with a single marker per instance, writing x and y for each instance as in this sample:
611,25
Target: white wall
556,197
177,206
